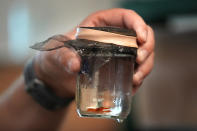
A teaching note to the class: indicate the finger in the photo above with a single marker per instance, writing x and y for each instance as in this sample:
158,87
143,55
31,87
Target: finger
126,18
121,18
143,70
133,21
68,60
147,48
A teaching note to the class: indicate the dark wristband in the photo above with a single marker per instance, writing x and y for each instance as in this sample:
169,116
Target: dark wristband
41,93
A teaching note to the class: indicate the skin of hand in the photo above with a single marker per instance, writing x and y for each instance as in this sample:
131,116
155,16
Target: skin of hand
59,68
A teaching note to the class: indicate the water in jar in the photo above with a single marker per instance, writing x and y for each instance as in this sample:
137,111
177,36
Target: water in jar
104,87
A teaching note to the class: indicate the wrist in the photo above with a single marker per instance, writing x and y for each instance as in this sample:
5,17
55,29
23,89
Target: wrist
40,92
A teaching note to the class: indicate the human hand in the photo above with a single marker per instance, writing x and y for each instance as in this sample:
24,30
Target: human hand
145,36
59,68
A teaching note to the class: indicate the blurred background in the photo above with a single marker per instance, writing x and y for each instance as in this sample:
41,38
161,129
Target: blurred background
168,97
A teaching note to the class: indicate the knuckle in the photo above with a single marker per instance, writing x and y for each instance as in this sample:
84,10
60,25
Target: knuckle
151,64
152,34
132,12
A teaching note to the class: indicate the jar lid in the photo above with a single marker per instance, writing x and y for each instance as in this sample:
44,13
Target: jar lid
106,40
112,35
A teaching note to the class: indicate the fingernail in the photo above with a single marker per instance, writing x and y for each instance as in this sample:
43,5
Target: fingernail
142,55
138,76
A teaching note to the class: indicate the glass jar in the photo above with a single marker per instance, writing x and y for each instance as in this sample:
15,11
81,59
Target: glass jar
104,83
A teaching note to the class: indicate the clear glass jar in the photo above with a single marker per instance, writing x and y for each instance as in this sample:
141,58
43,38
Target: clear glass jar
104,84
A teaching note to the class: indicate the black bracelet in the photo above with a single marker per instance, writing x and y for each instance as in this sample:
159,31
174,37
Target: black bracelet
41,93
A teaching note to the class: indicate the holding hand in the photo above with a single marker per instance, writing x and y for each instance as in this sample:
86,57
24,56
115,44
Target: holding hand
59,68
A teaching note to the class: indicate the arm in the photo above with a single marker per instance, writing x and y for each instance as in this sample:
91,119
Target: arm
19,112
59,68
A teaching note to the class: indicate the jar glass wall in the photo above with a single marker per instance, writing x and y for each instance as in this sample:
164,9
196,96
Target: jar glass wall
104,86
104,83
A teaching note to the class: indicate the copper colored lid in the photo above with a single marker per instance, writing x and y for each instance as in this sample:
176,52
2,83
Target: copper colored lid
108,35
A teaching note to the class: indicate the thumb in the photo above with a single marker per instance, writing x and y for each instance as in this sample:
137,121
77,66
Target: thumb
68,60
